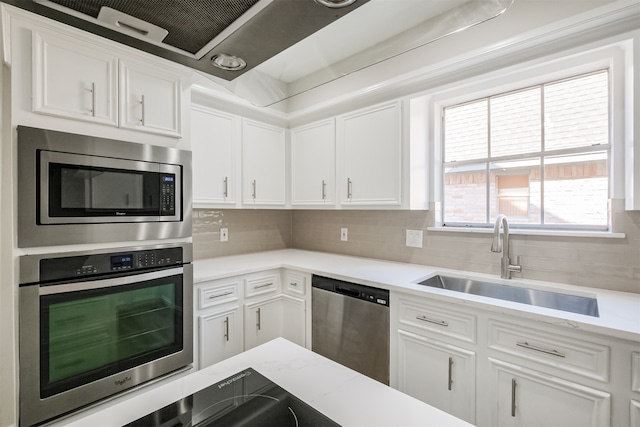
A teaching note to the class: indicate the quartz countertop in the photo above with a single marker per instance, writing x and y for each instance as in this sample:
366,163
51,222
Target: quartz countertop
619,312
347,397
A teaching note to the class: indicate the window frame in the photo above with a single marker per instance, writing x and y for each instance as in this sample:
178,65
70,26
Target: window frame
610,55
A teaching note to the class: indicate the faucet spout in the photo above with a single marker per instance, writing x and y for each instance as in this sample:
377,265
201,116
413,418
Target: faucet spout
506,268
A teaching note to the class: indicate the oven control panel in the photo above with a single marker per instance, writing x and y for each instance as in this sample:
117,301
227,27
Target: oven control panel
105,263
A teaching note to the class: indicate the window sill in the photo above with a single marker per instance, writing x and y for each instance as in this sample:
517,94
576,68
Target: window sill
553,233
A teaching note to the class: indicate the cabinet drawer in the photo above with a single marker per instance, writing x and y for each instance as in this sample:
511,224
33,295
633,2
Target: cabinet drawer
295,283
635,372
262,284
580,357
220,293
423,316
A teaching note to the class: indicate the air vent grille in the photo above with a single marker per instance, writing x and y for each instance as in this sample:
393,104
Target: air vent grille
191,23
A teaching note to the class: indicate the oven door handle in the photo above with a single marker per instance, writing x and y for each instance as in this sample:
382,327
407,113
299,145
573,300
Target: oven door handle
105,283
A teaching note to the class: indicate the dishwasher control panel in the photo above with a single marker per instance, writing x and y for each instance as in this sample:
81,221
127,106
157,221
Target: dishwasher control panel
353,290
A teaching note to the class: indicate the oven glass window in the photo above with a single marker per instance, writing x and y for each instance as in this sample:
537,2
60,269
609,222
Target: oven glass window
91,334
85,191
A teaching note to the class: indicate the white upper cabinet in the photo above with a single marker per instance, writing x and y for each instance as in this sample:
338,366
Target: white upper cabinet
313,159
263,164
150,99
73,80
80,80
370,150
215,141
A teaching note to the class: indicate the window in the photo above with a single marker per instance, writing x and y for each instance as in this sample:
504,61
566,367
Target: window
539,155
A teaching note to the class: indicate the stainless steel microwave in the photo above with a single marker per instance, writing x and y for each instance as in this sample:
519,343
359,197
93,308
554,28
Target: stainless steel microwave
82,189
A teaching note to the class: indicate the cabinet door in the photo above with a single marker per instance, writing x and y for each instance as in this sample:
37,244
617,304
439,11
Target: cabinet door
215,138
313,158
371,148
150,99
74,81
439,374
262,322
220,336
524,397
263,164
294,320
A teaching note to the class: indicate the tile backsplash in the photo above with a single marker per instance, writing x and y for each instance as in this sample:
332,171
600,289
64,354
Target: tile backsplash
609,263
250,230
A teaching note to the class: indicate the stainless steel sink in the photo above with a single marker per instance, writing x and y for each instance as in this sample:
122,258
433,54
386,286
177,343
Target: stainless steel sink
557,301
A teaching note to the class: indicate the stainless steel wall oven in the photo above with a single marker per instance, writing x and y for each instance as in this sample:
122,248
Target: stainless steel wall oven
81,189
93,324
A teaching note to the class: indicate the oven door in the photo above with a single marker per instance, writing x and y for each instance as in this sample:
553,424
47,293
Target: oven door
81,342
77,189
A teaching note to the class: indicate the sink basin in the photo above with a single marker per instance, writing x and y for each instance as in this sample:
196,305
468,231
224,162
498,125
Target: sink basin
557,301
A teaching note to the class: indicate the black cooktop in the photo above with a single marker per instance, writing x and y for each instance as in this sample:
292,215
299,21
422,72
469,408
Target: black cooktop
244,399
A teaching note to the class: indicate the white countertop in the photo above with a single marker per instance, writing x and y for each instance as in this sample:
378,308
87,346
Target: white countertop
345,396
619,311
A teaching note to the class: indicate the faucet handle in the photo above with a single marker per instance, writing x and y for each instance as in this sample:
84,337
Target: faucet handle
515,268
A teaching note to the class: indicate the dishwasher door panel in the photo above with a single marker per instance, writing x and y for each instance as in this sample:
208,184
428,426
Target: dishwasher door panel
352,332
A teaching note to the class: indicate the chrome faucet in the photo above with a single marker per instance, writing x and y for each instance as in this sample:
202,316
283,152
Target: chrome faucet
506,268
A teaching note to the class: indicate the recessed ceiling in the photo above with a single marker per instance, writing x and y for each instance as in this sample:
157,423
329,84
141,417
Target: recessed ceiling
289,46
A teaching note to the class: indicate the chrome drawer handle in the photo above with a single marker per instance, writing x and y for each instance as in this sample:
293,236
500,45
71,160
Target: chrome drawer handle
525,344
437,322
226,325
294,283
513,397
226,187
263,286
258,318
220,295
142,122
93,99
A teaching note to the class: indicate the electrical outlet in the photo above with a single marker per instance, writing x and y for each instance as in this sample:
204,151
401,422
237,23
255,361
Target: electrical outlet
224,234
414,238
343,234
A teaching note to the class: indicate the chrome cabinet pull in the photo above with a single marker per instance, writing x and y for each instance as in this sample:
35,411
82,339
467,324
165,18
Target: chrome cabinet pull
263,286
294,284
226,327
437,322
93,99
513,397
450,371
324,190
220,295
253,194
525,344
349,188
226,187
258,319
142,110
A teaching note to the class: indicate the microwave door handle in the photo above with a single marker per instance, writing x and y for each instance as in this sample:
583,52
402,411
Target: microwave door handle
106,283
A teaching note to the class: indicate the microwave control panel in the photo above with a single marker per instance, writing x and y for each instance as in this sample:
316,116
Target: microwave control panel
53,269
167,194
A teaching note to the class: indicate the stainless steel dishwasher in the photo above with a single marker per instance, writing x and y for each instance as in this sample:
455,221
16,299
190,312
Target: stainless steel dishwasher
350,325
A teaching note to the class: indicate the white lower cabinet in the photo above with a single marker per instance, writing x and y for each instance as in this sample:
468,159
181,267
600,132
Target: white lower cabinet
262,321
438,373
220,336
238,313
501,370
280,316
526,397
294,320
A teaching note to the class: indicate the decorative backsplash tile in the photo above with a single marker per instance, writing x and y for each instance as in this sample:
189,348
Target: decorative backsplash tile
250,230
594,262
